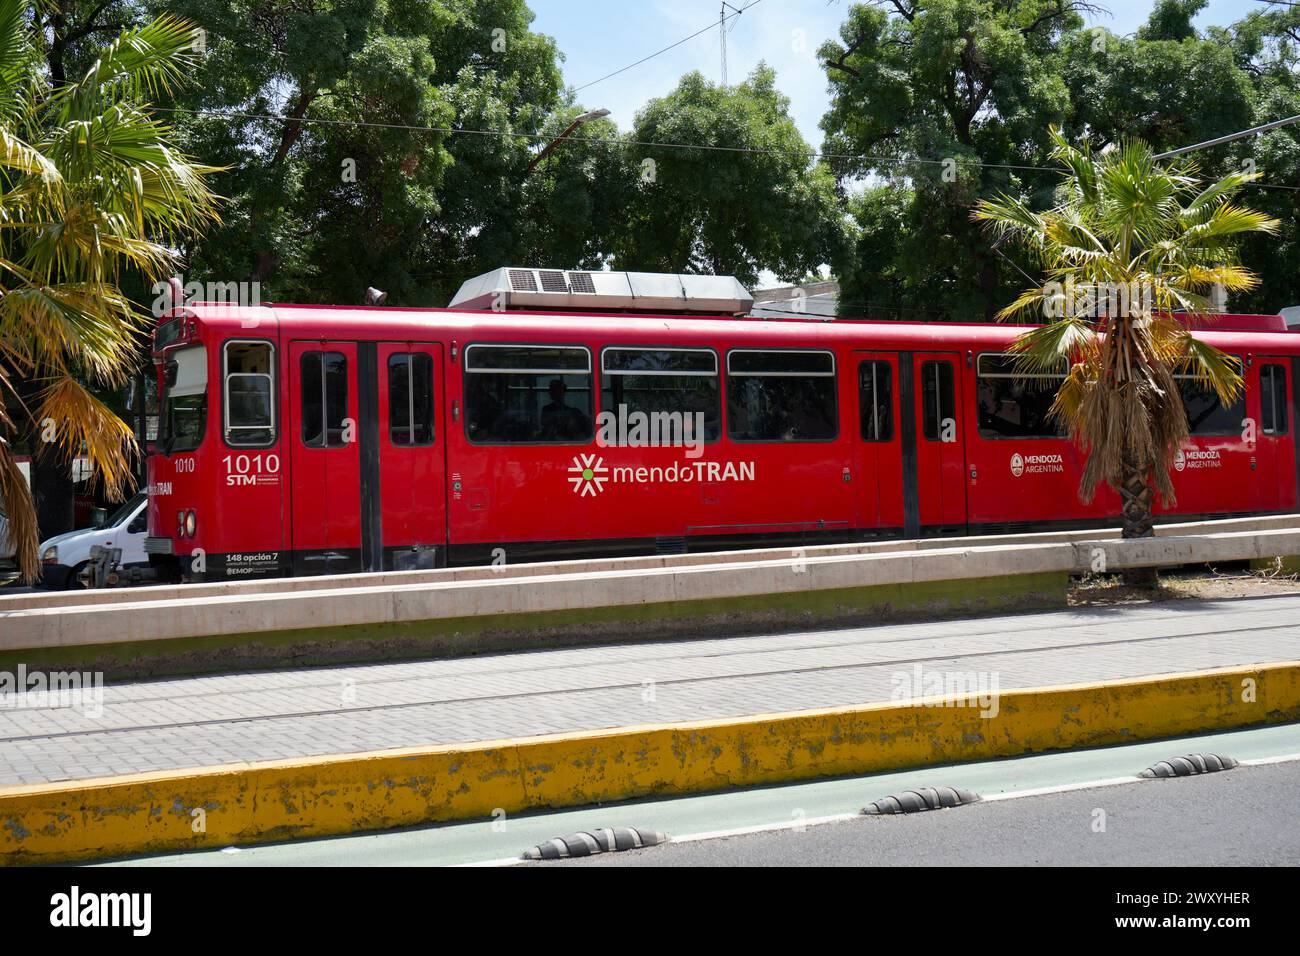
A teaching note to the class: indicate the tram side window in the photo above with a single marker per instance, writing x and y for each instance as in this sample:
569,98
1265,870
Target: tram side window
185,399
410,398
1011,404
1273,414
876,401
250,394
781,395
670,396
324,377
938,402
525,394
1206,415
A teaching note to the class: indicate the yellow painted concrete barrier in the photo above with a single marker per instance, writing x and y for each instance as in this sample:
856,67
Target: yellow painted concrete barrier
313,797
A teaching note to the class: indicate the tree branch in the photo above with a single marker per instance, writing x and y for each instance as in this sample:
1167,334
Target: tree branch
839,64
908,13
88,26
1061,9
293,128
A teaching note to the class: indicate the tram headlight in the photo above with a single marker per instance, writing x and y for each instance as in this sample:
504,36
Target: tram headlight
191,523
180,524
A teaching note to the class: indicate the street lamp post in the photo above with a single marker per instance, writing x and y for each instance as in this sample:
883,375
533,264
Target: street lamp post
546,151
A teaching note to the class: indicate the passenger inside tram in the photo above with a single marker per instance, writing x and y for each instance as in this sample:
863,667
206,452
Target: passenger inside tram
560,421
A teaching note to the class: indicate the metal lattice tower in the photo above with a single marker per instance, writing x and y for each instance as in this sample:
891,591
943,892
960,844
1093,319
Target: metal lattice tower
722,35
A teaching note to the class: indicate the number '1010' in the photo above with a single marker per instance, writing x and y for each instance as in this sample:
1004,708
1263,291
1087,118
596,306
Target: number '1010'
251,464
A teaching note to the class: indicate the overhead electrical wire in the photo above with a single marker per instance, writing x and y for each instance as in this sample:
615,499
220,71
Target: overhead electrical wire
711,26
599,141
509,134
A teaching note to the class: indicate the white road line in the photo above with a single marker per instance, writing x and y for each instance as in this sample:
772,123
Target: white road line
1264,761
763,828
1062,788
502,861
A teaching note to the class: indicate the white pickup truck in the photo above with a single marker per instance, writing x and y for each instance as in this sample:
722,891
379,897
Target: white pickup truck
65,556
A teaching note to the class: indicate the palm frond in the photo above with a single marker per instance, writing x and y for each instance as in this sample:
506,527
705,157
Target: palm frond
1228,220
82,424
1033,304
1210,368
88,326
1233,278
1008,216
1055,346
17,58
20,513
1079,162
142,63
1218,191
17,155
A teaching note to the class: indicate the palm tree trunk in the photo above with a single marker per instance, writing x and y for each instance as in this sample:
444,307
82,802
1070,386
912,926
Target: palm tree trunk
1136,495
50,471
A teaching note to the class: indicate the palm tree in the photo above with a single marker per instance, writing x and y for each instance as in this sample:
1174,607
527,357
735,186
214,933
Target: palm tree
90,188
1128,245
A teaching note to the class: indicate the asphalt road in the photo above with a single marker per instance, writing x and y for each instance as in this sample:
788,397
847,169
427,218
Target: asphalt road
1249,816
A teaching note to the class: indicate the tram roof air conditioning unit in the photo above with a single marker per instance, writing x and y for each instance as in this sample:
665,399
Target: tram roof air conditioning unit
516,289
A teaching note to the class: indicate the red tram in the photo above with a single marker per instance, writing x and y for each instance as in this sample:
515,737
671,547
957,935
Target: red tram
551,414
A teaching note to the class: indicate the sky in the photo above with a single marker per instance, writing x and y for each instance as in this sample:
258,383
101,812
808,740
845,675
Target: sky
598,37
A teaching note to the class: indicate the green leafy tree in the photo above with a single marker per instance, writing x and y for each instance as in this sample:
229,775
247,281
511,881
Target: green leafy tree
922,92
352,188
1168,85
1127,243
1172,20
915,83
749,197
91,189
1266,45
889,237
574,202
356,179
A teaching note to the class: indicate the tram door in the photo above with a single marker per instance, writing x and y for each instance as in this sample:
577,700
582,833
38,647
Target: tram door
935,476
412,491
880,445
1278,462
325,417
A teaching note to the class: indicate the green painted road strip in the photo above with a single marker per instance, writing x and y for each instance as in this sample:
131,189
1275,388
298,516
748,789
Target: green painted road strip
758,807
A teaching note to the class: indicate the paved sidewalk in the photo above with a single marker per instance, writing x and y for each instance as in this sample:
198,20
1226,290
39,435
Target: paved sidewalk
203,721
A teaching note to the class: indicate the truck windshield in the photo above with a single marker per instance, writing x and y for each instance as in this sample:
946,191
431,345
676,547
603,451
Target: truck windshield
185,399
124,513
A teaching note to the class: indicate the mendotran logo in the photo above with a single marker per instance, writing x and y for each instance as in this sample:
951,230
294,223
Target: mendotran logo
589,474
